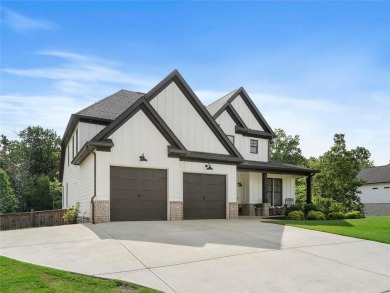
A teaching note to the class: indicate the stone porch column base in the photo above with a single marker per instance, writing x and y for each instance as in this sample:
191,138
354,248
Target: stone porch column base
176,210
233,210
265,209
102,211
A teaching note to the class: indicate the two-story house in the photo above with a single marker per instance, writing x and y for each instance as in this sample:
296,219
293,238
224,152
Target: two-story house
164,156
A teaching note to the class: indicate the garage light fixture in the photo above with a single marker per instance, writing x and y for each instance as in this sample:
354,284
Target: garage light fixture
208,167
239,184
142,158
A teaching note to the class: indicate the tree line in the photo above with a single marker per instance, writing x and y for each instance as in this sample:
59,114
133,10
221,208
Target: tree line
29,168
335,186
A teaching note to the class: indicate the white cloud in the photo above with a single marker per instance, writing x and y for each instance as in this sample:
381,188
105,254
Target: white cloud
21,23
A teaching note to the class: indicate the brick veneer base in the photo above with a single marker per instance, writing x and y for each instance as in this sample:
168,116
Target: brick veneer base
176,210
233,210
102,211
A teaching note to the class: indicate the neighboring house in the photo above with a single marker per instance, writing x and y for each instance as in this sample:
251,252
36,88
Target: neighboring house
375,192
163,156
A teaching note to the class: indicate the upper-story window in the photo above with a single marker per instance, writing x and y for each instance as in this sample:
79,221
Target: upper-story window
72,147
231,138
77,140
254,146
68,154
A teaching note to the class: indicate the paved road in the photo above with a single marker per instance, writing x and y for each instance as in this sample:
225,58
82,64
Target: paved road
243,255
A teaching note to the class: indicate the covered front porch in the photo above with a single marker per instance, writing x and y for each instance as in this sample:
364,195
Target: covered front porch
267,188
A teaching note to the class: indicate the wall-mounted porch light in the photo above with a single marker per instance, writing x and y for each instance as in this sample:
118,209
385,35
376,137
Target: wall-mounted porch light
239,184
208,166
142,158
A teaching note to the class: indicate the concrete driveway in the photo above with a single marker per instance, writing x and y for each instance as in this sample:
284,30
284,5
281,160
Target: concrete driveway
243,255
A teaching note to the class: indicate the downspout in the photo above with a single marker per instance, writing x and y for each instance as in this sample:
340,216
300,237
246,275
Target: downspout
94,188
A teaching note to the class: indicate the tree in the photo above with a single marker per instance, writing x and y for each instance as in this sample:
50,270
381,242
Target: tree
339,168
285,149
8,201
35,154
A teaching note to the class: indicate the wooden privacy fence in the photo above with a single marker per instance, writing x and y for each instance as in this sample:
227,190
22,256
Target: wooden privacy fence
32,219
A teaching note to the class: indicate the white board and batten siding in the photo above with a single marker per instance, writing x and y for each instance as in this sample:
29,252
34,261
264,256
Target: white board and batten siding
87,131
139,136
375,193
77,182
251,189
246,114
184,121
242,143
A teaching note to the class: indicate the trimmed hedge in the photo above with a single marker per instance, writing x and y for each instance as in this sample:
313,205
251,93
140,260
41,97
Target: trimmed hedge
307,208
353,215
296,215
336,216
315,215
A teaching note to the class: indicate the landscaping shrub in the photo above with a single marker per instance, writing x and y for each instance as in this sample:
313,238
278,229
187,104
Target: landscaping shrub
294,207
296,215
309,207
315,215
353,215
335,206
336,216
71,214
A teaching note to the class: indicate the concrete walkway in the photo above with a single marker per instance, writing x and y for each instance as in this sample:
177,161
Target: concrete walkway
243,255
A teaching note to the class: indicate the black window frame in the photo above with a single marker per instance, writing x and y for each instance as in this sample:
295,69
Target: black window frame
72,147
231,136
68,154
273,189
254,149
77,141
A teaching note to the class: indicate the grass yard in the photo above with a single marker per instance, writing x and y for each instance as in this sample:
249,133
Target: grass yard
370,228
16,276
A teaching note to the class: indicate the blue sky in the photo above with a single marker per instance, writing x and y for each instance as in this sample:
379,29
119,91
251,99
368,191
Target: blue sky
313,68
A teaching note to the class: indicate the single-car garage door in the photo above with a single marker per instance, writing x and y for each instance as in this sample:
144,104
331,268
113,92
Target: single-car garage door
138,194
204,196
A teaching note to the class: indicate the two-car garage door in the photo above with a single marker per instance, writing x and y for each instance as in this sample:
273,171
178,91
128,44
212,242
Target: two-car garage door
140,194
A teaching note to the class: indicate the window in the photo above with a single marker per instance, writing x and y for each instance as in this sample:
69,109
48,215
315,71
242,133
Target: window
77,140
231,138
274,192
386,187
72,147
68,155
375,188
66,198
254,146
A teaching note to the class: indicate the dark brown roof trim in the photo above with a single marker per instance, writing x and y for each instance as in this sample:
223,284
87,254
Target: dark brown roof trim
89,147
176,77
236,118
153,116
286,169
252,107
74,119
202,157
160,124
253,133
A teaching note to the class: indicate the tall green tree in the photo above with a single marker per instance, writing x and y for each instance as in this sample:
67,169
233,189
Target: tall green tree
34,154
8,201
339,168
285,149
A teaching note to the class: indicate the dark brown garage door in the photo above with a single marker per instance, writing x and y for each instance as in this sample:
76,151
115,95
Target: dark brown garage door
138,194
204,196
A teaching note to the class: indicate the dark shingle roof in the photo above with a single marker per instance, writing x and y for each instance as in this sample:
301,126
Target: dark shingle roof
276,167
215,106
112,106
378,174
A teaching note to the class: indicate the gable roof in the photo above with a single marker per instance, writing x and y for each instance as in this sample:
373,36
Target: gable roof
176,77
219,106
111,107
380,174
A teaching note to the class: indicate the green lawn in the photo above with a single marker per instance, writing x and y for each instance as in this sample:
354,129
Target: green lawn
16,276
370,228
